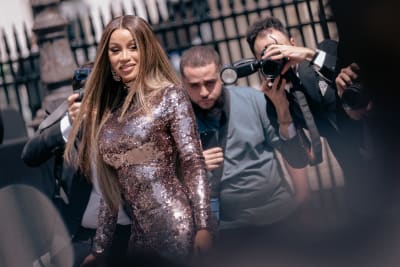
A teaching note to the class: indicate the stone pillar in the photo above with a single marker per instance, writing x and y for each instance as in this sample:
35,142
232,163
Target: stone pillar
56,59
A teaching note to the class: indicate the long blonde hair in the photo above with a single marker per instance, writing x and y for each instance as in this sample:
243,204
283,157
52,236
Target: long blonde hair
103,94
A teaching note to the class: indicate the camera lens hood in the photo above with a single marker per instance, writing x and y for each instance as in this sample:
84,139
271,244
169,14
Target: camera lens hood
241,68
228,74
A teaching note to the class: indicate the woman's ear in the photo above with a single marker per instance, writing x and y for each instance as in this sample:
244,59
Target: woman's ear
292,42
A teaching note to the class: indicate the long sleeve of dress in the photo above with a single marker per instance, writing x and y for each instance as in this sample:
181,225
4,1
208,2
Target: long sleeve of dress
183,128
105,230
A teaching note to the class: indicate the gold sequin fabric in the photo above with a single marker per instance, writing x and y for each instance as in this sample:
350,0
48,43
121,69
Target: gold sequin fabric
143,149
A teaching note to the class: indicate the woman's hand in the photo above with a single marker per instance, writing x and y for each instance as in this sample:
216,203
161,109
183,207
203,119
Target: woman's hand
89,261
202,242
92,260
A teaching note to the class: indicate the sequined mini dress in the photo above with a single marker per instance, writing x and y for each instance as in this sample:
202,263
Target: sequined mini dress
145,150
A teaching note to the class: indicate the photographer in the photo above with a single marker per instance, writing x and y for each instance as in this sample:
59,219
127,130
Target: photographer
356,101
315,70
312,70
257,206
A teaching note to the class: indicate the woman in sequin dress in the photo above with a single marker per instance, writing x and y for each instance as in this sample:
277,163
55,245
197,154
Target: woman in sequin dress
140,126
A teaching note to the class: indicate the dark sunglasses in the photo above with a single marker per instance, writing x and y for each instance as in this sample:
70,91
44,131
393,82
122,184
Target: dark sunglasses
81,74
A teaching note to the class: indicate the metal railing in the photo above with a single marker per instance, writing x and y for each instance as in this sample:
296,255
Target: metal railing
222,24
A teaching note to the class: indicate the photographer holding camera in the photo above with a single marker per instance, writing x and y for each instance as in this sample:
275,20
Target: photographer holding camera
257,206
315,72
356,101
308,70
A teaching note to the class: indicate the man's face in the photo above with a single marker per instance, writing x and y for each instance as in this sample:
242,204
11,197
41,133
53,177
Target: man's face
203,85
269,37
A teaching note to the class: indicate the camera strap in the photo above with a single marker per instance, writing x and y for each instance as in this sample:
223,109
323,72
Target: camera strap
55,116
58,113
315,154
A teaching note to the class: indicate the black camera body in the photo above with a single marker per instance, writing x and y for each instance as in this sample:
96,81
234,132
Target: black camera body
81,92
355,96
270,69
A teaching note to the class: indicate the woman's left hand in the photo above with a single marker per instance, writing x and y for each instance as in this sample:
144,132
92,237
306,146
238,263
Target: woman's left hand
202,242
92,261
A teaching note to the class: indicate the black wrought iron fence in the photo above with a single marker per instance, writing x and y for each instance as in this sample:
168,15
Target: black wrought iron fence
220,23
19,74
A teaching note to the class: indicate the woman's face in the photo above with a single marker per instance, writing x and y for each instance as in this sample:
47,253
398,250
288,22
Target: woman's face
124,55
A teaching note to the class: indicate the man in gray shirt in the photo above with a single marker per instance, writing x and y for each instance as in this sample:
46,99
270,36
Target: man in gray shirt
239,147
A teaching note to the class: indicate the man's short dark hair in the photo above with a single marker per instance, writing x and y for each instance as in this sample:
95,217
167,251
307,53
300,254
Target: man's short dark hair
261,26
199,56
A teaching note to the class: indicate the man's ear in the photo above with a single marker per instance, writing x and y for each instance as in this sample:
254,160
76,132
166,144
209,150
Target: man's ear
292,42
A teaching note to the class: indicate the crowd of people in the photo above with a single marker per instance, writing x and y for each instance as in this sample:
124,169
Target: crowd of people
162,169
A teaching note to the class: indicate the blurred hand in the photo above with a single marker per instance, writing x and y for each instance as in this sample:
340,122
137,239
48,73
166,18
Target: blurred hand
73,107
214,157
202,242
294,54
89,261
346,77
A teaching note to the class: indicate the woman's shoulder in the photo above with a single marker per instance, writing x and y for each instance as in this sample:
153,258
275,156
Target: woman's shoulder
174,90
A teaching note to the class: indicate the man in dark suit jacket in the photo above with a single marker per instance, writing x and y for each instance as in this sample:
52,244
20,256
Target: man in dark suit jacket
83,195
316,72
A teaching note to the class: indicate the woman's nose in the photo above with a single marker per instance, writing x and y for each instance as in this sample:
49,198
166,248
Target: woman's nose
125,54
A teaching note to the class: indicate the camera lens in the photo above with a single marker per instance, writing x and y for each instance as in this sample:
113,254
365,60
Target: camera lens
270,69
355,97
228,75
